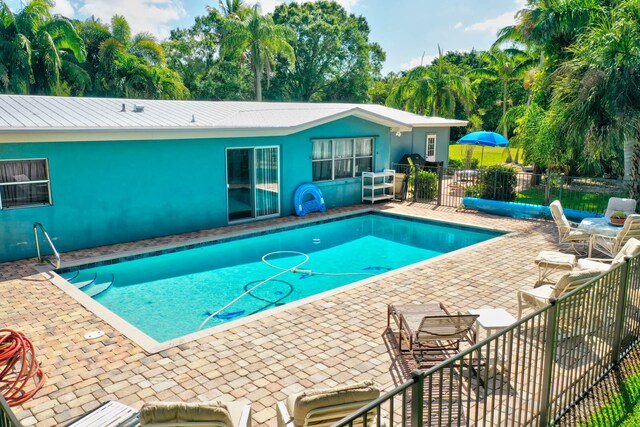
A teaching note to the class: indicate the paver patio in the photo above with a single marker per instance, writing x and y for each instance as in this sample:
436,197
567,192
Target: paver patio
323,343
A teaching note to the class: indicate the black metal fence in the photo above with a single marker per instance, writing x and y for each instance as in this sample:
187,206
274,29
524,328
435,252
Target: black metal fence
531,373
448,186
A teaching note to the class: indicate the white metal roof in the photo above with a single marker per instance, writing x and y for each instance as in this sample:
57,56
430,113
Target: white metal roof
48,115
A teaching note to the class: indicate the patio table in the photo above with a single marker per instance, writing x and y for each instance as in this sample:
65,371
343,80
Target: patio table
465,175
598,226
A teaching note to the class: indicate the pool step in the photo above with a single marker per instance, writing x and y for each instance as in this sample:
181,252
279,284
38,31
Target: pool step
84,283
99,288
70,276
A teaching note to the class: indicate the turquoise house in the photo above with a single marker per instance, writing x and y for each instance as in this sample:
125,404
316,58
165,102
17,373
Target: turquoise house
103,171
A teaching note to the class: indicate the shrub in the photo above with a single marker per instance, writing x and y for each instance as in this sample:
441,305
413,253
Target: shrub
456,163
474,191
475,164
427,186
498,183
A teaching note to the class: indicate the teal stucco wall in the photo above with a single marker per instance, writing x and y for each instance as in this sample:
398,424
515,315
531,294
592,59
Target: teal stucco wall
416,142
118,191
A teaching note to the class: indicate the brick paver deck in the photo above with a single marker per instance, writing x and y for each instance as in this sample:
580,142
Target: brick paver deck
330,341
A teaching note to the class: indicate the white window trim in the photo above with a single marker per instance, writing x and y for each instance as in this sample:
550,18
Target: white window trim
42,181
353,158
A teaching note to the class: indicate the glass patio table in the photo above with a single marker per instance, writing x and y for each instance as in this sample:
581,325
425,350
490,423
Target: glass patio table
598,226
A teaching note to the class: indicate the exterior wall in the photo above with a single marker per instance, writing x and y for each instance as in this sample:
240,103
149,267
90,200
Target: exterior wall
117,191
416,142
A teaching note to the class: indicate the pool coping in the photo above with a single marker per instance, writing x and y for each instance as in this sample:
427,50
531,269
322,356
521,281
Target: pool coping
152,346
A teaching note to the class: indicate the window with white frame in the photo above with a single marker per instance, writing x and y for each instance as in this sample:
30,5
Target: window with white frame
24,183
431,147
341,158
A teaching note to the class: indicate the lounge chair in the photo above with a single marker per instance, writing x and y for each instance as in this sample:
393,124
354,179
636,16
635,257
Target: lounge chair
540,296
322,408
108,414
430,327
209,414
629,250
611,245
616,204
568,233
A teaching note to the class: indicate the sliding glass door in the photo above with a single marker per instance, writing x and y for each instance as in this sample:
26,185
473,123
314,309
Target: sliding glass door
253,185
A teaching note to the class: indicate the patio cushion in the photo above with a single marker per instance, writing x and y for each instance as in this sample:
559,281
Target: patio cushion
300,404
553,258
159,412
588,264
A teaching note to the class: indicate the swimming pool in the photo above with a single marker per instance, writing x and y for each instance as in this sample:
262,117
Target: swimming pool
169,294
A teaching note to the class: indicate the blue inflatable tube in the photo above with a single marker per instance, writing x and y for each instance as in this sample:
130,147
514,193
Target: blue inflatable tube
521,210
316,204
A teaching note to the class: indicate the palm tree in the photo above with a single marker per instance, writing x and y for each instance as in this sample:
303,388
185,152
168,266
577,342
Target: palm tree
504,66
597,97
551,26
38,48
258,39
432,90
237,9
143,45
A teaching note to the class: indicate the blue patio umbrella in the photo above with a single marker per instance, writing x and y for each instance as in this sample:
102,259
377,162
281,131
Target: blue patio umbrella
485,139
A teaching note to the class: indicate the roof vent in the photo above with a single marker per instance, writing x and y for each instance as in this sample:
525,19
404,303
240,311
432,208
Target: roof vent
138,108
124,108
193,118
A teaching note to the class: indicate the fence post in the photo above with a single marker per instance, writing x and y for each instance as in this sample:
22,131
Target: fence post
547,191
417,399
620,312
440,177
495,183
561,185
547,369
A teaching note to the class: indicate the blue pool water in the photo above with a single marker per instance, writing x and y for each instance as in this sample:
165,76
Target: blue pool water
169,295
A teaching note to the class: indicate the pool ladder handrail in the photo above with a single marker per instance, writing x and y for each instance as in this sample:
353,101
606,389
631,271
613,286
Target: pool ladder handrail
41,260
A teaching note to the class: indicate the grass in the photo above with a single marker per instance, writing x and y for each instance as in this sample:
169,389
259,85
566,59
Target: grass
580,200
623,409
492,155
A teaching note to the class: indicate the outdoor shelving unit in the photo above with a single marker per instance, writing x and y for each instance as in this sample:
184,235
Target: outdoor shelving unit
378,186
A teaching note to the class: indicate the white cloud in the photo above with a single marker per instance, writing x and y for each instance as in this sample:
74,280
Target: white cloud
494,24
64,8
417,61
154,16
268,6
458,25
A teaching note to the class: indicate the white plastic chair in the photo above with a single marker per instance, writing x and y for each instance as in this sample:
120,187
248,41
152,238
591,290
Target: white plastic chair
617,204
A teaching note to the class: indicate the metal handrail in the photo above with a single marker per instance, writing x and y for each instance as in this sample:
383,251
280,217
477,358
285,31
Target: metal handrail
41,260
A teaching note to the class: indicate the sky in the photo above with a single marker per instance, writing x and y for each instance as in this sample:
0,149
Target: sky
409,31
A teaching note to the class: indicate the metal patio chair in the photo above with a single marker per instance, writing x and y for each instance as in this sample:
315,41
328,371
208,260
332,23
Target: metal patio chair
430,327
568,233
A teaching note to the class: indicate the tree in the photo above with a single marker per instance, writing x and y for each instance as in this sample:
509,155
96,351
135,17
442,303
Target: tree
433,90
195,54
551,26
597,96
504,66
259,39
126,65
39,50
334,59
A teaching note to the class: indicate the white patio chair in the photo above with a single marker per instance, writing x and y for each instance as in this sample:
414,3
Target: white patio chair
610,246
629,250
322,408
616,204
568,233
540,296
205,414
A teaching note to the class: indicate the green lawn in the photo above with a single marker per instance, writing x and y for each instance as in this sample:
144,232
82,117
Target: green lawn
580,200
492,155
624,408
